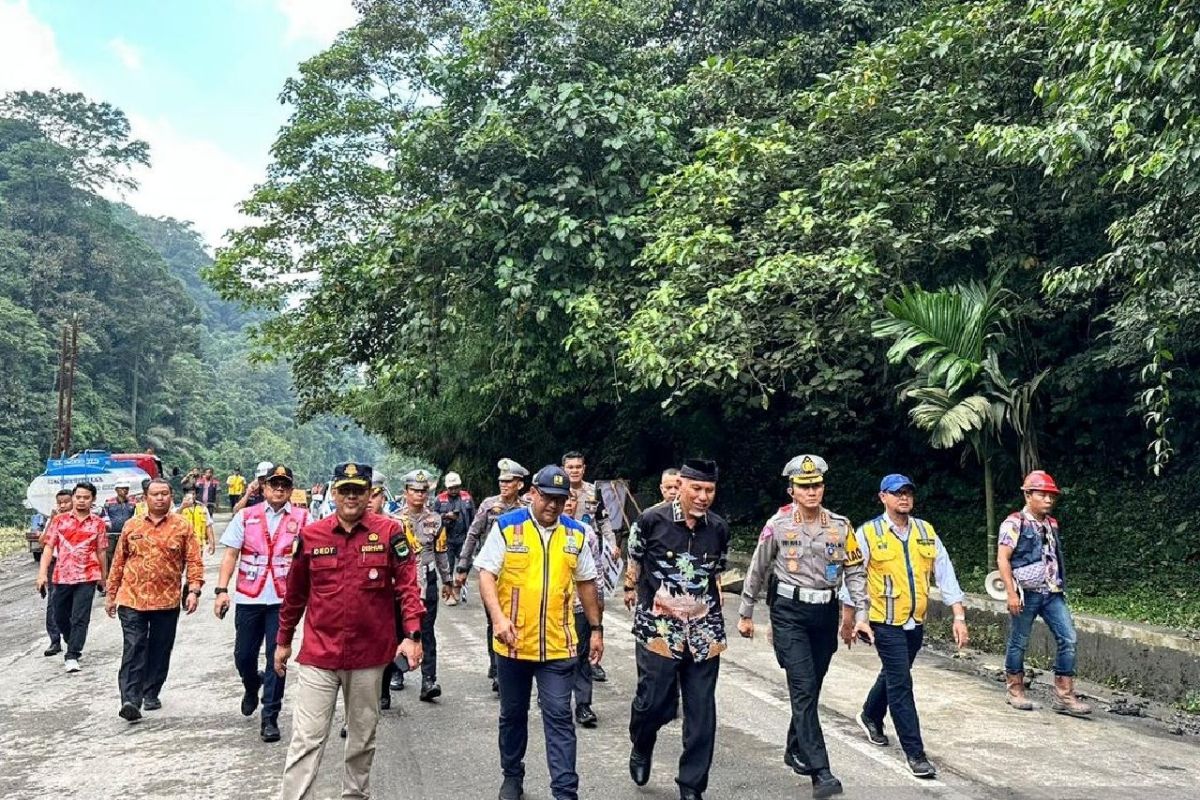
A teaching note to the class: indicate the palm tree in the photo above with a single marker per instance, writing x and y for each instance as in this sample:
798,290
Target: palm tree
954,338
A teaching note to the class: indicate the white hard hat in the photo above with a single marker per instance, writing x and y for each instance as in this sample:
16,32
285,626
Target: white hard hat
121,485
451,480
262,469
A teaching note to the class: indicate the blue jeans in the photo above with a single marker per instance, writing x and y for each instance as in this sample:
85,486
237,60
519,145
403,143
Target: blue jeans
555,680
256,625
893,689
1052,607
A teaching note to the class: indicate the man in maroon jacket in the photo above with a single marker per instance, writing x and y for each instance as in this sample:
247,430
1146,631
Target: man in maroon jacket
355,580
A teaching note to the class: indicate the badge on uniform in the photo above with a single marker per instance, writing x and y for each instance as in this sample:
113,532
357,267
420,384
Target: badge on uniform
831,573
793,565
372,537
400,547
292,527
373,574
325,551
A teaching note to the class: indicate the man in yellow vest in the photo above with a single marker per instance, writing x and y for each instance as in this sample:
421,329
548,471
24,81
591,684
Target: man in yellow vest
901,553
198,517
533,562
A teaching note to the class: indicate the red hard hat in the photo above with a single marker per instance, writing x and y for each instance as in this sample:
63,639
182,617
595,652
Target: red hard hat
1039,481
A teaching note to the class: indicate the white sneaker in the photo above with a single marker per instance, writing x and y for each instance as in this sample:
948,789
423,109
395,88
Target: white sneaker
72,665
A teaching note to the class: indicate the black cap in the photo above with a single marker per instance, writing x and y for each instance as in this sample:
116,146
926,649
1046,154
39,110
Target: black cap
699,469
351,473
279,471
552,481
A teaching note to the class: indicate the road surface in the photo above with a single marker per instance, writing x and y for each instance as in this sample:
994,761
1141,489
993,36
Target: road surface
62,738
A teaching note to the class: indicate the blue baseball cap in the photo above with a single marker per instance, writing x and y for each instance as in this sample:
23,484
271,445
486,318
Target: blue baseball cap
551,480
895,482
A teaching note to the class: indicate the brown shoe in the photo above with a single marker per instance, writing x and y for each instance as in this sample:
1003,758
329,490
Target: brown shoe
1065,701
1016,691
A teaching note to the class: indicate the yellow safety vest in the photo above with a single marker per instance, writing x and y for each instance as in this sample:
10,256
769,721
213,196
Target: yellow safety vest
536,587
199,520
898,572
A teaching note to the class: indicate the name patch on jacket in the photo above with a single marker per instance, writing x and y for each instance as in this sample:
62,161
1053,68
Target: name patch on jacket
373,548
325,551
571,548
517,548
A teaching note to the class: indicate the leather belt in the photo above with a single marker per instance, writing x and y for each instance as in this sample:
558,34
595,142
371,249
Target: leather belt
800,594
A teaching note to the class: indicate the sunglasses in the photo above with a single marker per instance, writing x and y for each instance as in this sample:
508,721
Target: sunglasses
902,493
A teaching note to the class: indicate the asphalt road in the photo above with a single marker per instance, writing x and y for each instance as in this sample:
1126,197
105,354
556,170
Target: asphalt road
61,736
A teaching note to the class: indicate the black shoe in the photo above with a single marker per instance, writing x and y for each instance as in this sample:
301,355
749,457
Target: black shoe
793,761
598,673
689,794
495,685
872,729
492,673
129,712
825,784
250,698
430,691
53,650
585,716
385,702
397,682
512,789
639,767
152,704
270,730
343,733
921,767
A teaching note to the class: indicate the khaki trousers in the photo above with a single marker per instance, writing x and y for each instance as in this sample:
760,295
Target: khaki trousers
317,697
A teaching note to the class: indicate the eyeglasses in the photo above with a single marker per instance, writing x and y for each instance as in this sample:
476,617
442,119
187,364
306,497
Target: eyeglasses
902,493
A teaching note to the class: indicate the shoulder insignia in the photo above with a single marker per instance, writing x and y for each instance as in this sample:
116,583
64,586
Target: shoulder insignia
767,533
400,546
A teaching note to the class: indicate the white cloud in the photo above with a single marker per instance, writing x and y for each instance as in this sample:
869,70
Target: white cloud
317,20
29,57
189,178
126,53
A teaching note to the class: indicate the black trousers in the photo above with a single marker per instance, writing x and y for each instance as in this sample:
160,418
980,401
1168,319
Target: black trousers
51,623
73,613
893,689
583,663
428,637
661,681
256,625
805,638
554,680
149,638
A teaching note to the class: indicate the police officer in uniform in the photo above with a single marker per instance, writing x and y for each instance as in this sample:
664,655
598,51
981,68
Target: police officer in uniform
801,559
354,581
427,538
512,478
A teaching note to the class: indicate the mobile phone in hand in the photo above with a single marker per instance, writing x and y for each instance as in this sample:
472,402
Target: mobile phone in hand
862,637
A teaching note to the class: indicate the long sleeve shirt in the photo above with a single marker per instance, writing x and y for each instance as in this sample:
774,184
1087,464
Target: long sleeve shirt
150,561
357,592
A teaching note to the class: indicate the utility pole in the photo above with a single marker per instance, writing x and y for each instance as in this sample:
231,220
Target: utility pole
68,358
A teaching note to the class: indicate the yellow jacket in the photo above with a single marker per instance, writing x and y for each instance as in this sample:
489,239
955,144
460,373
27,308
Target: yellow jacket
536,587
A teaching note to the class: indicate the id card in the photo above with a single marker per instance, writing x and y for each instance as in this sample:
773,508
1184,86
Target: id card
831,573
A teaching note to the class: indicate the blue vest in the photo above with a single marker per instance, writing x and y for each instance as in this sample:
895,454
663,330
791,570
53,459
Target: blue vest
1030,543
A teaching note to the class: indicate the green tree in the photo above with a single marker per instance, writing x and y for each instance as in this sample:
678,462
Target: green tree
954,339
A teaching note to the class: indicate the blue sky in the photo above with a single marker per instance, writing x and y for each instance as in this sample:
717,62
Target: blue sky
200,80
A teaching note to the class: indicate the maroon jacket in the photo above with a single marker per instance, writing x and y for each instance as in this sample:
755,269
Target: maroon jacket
360,592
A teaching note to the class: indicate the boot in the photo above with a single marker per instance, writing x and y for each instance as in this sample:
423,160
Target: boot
1016,691
1065,701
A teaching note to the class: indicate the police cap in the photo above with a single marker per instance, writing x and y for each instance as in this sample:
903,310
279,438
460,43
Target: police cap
806,470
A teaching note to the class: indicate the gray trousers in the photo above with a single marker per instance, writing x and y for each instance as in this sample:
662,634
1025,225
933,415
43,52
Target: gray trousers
312,718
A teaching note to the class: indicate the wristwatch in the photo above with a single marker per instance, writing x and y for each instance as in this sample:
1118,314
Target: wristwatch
194,591
415,636
631,588
597,628
219,590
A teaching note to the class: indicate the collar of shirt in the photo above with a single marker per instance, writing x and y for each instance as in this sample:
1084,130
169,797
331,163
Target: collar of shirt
286,508
901,533
1043,523
678,515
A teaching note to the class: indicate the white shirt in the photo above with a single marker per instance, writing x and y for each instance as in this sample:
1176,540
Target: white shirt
235,535
491,555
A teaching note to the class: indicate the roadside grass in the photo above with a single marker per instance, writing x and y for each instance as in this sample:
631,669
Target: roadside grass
12,540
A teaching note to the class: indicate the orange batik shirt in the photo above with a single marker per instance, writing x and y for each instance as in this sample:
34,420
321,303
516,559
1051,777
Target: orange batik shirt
150,561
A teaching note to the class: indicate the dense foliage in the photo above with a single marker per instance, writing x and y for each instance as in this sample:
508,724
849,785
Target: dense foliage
163,361
645,228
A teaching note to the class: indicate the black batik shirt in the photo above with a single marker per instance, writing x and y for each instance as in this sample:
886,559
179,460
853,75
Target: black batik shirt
678,591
